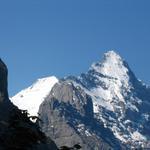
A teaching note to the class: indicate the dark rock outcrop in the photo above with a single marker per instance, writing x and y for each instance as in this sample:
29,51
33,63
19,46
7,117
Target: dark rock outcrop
17,132
3,81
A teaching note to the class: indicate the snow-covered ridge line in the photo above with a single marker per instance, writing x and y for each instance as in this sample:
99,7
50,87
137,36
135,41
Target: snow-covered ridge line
31,97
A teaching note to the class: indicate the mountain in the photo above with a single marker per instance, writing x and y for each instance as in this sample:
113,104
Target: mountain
120,101
33,96
16,130
105,108
67,117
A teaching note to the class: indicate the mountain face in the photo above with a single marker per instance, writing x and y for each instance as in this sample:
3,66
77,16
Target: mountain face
17,132
105,108
67,117
120,101
33,96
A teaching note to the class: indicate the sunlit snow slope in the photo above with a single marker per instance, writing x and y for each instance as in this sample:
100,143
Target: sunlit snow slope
31,97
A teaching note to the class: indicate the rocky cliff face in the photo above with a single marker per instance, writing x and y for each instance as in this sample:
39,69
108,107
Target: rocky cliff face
16,130
5,105
67,116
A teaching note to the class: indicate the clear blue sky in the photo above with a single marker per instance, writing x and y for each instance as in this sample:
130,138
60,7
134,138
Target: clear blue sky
61,37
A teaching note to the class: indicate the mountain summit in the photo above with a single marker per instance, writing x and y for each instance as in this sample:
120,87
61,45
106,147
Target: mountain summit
120,101
112,65
117,101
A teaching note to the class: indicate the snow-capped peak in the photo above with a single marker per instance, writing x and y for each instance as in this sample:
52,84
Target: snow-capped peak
113,54
117,97
112,66
31,97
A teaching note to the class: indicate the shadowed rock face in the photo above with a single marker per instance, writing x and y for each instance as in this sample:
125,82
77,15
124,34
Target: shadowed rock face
5,105
3,81
16,129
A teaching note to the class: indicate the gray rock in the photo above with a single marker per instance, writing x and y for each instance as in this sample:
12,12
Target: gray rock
67,117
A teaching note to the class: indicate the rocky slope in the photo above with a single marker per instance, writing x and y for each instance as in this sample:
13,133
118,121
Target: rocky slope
16,130
107,107
67,116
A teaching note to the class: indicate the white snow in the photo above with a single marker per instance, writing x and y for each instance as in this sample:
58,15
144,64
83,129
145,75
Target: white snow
146,116
132,107
116,78
119,136
80,127
31,97
138,136
112,66
127,122
87,133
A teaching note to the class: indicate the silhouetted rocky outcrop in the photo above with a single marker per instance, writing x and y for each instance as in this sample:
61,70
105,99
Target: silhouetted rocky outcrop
3,81
17,132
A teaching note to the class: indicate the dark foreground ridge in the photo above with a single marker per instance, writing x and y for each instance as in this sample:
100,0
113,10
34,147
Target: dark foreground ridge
17,132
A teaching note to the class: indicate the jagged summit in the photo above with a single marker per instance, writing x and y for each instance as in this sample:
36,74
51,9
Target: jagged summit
120,101
112,65
112,53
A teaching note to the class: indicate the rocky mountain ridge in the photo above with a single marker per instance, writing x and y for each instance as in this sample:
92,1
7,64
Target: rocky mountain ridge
119,106
67,115
121,102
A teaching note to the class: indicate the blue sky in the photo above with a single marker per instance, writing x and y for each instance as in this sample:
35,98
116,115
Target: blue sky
61,37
